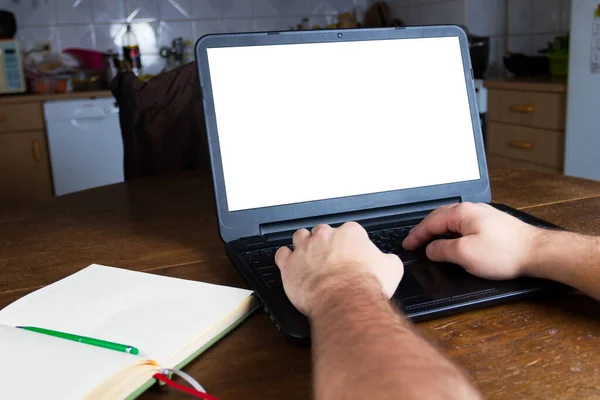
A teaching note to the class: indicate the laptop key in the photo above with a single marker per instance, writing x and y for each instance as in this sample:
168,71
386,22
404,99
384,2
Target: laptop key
269,253
269,275
274,283
412,256
267,268
272,279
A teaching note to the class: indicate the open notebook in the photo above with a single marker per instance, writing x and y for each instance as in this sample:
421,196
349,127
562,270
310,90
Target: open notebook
171,321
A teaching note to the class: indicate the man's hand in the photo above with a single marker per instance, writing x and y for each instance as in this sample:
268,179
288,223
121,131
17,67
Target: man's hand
329,258
493,245
340,280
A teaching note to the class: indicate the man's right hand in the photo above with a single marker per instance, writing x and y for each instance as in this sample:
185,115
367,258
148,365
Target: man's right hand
494,245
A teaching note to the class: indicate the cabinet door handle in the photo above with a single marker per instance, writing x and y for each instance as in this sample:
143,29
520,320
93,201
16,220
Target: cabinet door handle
521,108
521,144
37,152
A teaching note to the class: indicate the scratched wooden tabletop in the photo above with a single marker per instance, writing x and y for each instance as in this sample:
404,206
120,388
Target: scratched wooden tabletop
534,349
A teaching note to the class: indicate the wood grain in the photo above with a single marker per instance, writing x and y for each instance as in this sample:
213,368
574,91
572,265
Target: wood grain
145,224
543,84
21,117
24,168
523,188
579,216
548,110
495,161
537,349
546,147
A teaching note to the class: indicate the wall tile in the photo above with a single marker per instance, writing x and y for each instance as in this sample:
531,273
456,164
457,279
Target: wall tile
29,36
520,17
108,37
147,34
276,24
430,14
520,44
565,15
315,20
36,13
496,64
282,8
267,8
426,12
170,30
146,10
411,15
450,12
539,42
486,17
152,64
204,27
340,6
546,16
79,36
478,17
238,25
206,9
175,9
74,11
108,10
235,8
324,7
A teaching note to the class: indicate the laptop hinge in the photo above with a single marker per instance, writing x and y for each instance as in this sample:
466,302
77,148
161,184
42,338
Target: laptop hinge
273,231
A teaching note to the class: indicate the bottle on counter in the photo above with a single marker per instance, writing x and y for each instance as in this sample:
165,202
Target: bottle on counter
131,51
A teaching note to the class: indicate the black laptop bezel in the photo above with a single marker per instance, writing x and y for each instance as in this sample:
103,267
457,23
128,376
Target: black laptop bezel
246,223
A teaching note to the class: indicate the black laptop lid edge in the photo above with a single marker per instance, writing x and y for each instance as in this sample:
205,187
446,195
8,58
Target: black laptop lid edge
246,223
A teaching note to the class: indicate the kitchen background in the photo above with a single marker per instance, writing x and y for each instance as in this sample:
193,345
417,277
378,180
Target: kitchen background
100,24
531,23
58,143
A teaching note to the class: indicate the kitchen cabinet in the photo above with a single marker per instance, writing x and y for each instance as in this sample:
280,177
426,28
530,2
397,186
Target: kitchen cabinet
526,124
25,173
24,168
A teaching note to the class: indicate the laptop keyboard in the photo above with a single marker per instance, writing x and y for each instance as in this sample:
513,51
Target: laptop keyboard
387,240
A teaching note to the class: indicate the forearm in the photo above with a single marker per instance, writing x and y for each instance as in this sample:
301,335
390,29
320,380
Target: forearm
568,258
362,348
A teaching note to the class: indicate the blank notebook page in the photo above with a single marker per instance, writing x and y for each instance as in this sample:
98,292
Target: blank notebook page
44,367
158,315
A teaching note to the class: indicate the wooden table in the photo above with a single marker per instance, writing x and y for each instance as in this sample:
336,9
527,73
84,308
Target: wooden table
528,349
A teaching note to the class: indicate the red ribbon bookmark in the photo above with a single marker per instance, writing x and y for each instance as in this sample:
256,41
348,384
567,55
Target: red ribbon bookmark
188,390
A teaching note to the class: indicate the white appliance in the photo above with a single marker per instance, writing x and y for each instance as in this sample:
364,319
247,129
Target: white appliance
84,139
583,101
12,78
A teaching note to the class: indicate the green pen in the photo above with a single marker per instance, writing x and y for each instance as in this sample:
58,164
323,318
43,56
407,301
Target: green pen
82,339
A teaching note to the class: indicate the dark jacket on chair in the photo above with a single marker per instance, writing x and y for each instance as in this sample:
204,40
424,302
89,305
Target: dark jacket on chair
162,122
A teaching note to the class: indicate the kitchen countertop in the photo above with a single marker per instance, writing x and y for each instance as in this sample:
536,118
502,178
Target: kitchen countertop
532,84
32,98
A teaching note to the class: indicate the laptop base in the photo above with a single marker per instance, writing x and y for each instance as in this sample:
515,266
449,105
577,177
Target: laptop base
428,289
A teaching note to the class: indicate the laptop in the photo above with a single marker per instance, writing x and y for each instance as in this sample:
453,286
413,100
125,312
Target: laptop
378,126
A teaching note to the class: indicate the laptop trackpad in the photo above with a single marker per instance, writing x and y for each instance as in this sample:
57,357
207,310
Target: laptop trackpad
429,281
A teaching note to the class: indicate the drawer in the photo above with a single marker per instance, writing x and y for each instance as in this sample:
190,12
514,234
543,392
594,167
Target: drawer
533,109
537,146
508,163
21,117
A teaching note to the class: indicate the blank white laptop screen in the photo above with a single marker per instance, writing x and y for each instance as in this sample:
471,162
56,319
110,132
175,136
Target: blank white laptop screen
307,122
